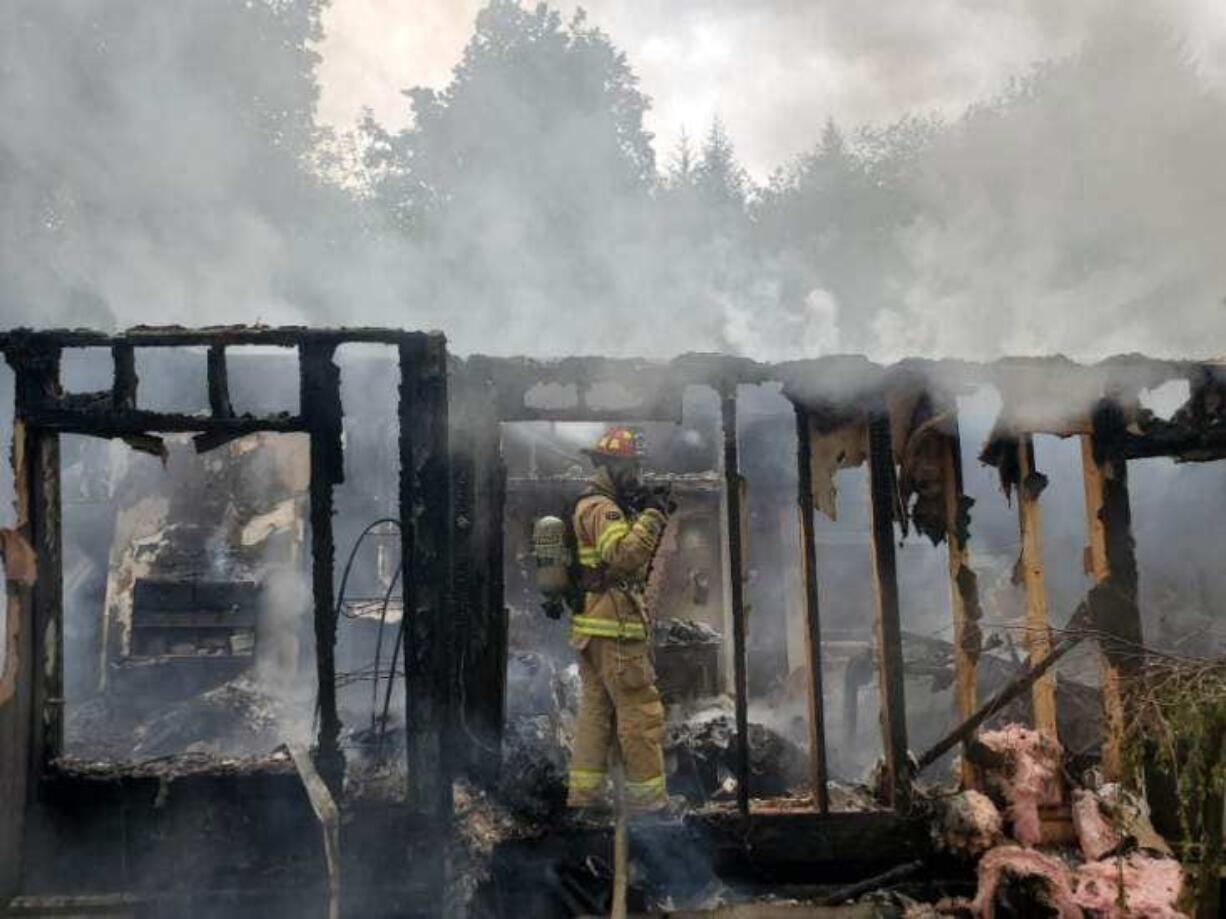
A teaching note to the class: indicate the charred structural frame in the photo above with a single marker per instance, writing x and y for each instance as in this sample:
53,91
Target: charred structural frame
453,486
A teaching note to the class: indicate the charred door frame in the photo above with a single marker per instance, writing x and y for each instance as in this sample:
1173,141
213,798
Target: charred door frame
31,692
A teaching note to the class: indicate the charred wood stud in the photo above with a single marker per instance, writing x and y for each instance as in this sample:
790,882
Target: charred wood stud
321,405
1112,562
882,489
429,640
37,386
736,569
813,630
963,585
1034,580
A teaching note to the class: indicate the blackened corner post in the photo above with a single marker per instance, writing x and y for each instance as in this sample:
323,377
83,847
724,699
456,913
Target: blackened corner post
478,607
736,569
883,491
813,631
31,682
320,397
425,513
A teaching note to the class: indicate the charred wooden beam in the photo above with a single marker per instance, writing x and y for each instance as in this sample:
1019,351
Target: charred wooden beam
1034,580
794,844
425,513
125,380
126,423
320,398
171,336
892,694
813,630
736,571
219,383
963,584
1112,561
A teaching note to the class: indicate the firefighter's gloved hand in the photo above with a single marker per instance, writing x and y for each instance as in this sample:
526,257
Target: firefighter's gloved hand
660,498
553,608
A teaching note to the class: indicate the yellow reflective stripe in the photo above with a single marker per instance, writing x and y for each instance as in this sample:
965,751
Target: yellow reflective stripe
612,533
607,628
589,557
587,779
650,788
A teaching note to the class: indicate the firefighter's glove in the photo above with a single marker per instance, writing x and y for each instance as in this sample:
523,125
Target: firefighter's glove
660,498
553,608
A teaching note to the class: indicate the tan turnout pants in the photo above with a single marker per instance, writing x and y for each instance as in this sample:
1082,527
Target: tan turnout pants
618,688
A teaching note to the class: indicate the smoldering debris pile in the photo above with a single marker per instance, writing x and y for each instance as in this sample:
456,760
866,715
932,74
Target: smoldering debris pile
236,718
700,757
668,631
1114,865
699,744
533,776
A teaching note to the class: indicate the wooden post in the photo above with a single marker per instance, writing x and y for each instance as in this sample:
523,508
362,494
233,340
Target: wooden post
32,681
425,513
892,692
219,383
124,382
963,586
732,489
1038,626
1111,559
813,630
478,496
320,398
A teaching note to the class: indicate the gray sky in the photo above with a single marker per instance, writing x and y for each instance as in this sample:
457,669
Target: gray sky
773,70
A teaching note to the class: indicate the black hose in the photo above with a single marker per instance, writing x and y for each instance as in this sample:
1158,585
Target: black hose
357,544
391,676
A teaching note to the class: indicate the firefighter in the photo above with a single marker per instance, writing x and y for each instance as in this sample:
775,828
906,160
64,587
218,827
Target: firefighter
617,528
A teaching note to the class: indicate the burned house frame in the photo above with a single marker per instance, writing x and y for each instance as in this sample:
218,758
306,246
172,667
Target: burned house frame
31,700
902,421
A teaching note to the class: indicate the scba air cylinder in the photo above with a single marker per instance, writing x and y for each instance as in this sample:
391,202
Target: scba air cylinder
552,556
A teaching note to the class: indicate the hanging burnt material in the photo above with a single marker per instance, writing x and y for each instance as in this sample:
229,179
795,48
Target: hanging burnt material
921,477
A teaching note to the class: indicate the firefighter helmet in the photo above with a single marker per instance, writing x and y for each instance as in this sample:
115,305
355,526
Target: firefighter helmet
619,443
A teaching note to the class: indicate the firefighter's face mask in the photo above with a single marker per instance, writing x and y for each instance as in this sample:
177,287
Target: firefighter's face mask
625,475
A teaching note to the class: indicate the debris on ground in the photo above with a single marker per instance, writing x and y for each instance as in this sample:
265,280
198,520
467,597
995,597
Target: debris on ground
1017,881
1150,887
668,631
1114,866
1095,834
967,824
233,719
700,757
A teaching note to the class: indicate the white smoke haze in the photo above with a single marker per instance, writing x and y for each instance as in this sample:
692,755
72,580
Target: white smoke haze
154,167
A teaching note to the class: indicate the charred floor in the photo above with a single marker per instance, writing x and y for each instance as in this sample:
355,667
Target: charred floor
272,644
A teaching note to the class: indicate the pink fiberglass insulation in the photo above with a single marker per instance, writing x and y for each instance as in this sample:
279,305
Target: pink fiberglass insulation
1151,887
1095,833
1011,864
1029,777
